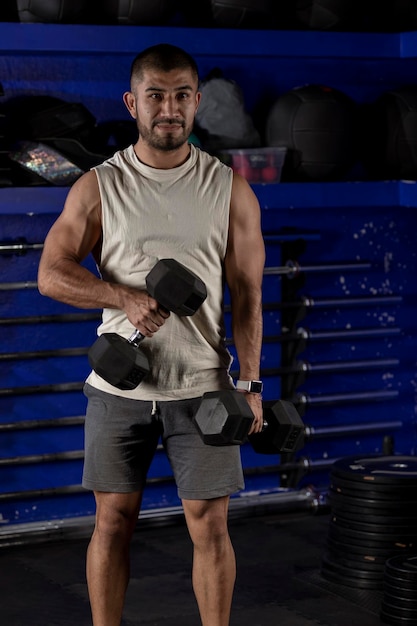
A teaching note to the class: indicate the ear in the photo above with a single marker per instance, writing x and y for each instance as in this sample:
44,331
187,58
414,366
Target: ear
197,100
130,101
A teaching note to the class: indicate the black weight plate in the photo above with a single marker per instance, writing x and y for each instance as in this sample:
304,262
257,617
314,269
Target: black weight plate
397,600
373,532
400,594
377,469
404,566
359,552
394,620
396,581
371,515
371,491
368,539
353,572
350,581
381,505
399,611
386,490
347,560
396,530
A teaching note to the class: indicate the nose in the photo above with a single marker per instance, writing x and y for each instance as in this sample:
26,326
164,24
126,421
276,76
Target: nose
169,107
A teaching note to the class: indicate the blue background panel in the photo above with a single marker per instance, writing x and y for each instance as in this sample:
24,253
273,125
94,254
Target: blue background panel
340,342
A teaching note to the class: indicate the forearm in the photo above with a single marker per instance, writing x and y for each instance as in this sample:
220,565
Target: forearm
69,282
247,330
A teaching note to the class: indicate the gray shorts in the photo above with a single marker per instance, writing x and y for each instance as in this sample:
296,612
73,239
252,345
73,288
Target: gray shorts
121,437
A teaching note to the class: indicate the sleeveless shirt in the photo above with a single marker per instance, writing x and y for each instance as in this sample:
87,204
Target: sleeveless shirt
180,213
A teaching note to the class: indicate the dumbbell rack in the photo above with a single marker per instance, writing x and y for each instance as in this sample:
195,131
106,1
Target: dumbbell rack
341,344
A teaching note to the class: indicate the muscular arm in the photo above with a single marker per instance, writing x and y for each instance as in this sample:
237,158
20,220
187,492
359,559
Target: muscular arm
75,234
244,265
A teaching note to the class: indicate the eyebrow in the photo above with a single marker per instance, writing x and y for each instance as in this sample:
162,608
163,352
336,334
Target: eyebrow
161,89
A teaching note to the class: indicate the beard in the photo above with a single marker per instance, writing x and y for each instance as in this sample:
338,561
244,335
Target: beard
166,143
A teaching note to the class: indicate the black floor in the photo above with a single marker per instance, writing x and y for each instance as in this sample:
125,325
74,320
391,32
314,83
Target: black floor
278,584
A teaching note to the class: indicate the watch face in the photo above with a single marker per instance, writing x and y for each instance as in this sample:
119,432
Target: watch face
256,386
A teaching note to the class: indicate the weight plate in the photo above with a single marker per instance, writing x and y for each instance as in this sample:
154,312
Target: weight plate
370,531
395,590
371,515
396,581
359,552
356,489
377,469
386,491
347,560
394,530
368,502
397,600
367,539
398,611
348,581
353,572
404,566
394,620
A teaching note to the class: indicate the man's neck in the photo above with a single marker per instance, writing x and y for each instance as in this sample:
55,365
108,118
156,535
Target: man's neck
161,159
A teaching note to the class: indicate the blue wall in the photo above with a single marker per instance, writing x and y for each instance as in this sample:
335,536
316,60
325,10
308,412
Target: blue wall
340,337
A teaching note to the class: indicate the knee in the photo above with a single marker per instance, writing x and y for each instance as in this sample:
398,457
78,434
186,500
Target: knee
114,521
208,526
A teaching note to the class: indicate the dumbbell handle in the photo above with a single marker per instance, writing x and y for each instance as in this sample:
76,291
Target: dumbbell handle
136,338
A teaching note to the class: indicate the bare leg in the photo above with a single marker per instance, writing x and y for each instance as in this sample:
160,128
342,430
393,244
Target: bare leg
214,564
108,565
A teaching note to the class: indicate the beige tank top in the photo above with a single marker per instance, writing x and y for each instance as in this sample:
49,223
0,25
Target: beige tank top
181,213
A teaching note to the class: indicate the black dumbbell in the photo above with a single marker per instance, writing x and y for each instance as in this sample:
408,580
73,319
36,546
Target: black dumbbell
119,360
224,418
283,429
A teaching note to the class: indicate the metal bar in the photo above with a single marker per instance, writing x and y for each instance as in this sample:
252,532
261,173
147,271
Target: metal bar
41,493
308,302
27,284
30,389
368,333
42,354
302,464
336,398
45,423
303,367
306,499
19,247
46,319
304,334
42,458
292,268
324,432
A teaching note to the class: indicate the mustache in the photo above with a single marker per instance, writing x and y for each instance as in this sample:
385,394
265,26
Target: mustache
169,120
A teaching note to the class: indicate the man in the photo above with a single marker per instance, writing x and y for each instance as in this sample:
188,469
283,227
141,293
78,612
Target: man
162,198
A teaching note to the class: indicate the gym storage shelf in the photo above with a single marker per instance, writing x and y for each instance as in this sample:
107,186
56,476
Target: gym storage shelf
35,200
90,39
361,321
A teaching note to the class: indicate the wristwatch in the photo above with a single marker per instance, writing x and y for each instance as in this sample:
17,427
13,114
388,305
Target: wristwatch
251,386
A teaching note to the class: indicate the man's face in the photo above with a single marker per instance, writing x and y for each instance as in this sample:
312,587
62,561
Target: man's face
164,106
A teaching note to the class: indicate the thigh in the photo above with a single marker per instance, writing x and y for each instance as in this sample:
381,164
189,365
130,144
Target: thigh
121,437
201,471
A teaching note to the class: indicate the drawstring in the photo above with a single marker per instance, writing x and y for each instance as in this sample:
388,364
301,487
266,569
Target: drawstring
154,408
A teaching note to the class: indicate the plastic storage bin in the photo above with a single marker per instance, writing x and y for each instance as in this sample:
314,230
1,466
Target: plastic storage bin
257,165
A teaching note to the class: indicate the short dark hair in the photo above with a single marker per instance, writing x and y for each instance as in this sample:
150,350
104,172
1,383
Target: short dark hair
164,57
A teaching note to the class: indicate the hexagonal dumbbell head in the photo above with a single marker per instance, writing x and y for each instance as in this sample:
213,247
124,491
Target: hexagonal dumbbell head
175,287
224,418
118,361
